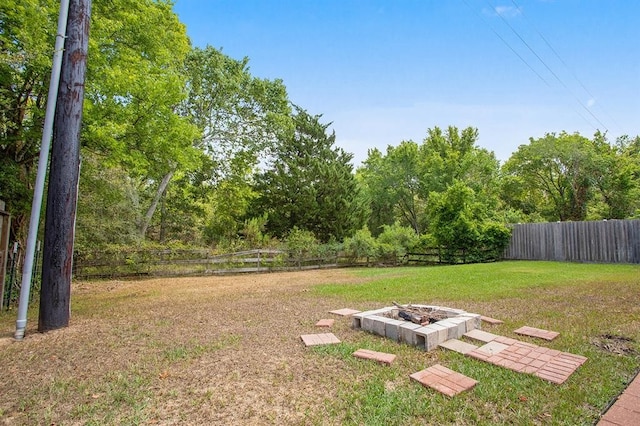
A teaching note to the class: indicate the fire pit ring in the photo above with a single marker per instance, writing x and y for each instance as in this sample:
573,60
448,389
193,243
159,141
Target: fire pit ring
381,322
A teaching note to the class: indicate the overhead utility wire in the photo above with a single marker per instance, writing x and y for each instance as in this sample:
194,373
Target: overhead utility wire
573,74
508,45
522,59
547,66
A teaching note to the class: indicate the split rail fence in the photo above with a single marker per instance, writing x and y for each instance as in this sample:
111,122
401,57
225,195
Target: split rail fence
203,262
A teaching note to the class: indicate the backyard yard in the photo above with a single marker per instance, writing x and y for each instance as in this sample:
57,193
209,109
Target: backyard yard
227,350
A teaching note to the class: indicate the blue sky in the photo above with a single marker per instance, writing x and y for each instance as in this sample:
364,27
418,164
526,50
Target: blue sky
385,71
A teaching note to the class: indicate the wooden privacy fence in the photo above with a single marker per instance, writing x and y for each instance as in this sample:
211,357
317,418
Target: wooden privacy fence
607,241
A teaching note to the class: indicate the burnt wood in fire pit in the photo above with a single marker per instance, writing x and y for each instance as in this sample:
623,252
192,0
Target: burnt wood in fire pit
419,315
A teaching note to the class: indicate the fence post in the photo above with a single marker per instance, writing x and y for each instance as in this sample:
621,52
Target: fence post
5,226
12,274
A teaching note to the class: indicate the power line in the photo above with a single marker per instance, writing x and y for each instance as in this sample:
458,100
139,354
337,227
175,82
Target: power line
546,66
506,43
557,55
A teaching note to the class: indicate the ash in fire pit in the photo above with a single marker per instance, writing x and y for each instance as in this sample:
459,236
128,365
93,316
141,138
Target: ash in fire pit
418,325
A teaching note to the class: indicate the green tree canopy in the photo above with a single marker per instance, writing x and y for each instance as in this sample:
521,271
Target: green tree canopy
400,183
309,184
559,171
27,32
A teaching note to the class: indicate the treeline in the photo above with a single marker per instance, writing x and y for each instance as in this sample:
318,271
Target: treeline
183,146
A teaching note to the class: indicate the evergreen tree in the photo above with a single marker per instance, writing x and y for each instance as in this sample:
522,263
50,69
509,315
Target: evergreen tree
309,184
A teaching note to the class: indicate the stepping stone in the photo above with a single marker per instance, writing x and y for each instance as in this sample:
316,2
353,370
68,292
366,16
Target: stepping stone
537,332
345,312
319,339
380,357
548,364
443,380
483,336
490,320
458,346
492,348
325,323
560,367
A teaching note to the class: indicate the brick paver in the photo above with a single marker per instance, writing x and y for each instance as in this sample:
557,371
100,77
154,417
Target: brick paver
381,357
319,339
490,320
325,323
537,332
344,312
443,380
548,364
626,410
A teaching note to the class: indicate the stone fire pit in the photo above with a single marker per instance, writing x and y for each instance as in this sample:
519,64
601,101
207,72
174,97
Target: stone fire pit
384,322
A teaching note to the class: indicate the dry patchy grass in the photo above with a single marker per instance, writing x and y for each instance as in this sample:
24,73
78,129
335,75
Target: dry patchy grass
227,350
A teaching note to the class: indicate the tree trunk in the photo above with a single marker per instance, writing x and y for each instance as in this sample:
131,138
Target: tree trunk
63,181
154,204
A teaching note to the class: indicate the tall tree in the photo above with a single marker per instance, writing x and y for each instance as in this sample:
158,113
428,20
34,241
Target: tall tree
241,118
561,169
309,184
452,155
381,202
616,178
135,86
393,184
399,184
27,33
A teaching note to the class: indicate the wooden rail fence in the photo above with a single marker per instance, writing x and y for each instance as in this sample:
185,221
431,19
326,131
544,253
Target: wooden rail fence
609,241
191,262
203,262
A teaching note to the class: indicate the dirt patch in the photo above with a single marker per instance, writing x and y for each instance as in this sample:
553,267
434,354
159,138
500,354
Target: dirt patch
205,350
614,344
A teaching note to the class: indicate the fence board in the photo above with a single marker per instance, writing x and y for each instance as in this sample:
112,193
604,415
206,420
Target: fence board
611,241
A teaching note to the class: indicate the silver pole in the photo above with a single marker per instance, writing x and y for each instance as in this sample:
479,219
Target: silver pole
36,205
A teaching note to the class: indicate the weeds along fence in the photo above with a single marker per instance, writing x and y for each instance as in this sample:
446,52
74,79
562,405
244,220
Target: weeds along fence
192,262
202,262
159,263
13,277
610,241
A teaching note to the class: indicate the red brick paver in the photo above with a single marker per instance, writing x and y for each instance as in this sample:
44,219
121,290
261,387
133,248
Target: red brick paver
548,364
380,357
537,332
344,312
443,380
319,339
626,410
490,320
325,323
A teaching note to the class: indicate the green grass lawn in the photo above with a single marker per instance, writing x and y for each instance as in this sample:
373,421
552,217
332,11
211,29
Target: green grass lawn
584,302
227,350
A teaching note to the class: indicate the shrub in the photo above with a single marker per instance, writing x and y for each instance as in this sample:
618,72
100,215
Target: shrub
361,245
301,243
395,241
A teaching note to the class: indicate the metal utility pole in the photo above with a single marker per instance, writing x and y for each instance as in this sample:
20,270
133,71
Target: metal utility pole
45,145
57,261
